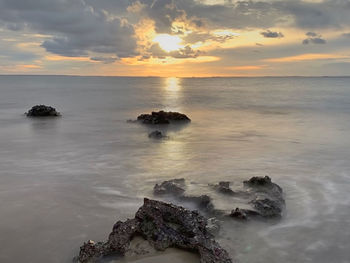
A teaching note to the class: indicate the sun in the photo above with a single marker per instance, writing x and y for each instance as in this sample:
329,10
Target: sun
168,42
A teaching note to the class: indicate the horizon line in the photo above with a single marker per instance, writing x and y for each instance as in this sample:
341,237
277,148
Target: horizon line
192,77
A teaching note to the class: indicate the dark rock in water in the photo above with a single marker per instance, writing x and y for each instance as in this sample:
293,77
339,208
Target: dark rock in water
172,187
42,111
243,214
163,117
131,121
162,225
264,197
224,188
176,189
156,135
203,202
268,207
268,198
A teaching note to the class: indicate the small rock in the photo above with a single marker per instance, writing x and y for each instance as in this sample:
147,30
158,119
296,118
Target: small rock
163,117
156,135
268,207
172,187
42,111
224,188
243,214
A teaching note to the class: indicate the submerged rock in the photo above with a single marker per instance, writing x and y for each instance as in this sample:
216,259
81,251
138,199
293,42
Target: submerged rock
156,135
268,198
162,225
42,111
163,117
224,188
263,196
172,187
243,214
176,189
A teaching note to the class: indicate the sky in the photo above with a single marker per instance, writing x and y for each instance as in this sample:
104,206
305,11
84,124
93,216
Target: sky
175,38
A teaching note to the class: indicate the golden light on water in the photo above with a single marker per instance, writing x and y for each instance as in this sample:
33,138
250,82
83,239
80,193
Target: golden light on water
172,84
168,42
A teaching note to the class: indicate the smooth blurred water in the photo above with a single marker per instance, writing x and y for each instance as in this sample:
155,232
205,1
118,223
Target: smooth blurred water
66,180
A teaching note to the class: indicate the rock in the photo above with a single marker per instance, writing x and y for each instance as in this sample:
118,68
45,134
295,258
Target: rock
174,187
268,198
263,196
268,207
263,183
163,117
162,225
203,202
213,226
243,214
224,188
156,135
42,111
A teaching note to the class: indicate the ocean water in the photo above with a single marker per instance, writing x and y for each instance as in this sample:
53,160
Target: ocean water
66,180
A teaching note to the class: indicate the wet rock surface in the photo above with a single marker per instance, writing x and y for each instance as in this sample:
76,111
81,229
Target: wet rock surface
163,117
176,188
264,197
224,188
156,135
172,187
163,225
42,111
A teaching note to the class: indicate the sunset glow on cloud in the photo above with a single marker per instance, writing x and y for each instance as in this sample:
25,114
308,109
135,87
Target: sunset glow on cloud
175,38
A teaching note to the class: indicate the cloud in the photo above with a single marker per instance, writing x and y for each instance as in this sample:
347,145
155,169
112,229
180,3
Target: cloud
347,35
195,37
271,34
77,28
313,38
304,57
156,51
106,60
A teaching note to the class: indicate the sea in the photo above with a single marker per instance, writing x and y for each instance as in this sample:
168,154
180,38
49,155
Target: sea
66,180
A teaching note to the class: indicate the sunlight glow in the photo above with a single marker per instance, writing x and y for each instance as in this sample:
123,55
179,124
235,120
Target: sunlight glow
168,42
172,84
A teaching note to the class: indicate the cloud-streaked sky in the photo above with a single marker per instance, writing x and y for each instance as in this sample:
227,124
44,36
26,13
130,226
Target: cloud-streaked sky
182,38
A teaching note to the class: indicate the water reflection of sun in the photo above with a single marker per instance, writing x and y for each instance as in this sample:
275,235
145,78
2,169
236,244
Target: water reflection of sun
173,84
172,94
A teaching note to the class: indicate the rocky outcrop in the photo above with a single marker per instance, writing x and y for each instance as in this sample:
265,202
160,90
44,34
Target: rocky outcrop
156,135
263,196
176,189
163,117
163,226
42,111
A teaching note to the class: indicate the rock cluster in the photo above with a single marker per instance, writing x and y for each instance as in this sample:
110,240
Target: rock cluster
176,189
264,197
42,111
163,117
162,225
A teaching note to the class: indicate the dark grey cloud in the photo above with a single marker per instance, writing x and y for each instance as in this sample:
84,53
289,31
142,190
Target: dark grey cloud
249,14
271,34
105,60
347,35
313,38
76,27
